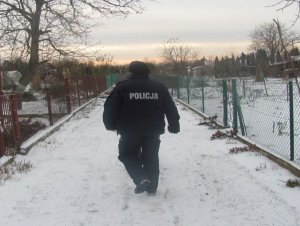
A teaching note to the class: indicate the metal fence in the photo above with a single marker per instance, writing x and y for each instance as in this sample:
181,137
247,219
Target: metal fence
267,113
10,136
65,95
111,79
61,97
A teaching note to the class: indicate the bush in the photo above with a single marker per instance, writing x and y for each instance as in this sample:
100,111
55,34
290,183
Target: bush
28,96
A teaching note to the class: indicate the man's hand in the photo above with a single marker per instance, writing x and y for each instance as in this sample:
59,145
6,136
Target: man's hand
174,128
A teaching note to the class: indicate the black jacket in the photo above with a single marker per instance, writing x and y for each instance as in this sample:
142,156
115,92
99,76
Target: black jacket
138,106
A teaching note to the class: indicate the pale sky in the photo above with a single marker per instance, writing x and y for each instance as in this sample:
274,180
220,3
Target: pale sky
213,27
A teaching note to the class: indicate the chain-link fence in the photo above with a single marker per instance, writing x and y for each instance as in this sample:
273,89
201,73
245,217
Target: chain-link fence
266,111
261,111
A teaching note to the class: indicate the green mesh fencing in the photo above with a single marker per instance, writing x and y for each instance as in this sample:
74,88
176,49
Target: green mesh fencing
197,91
297,124
263,108
111,80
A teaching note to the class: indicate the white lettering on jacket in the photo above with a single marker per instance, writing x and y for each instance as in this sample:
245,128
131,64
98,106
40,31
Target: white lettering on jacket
143,96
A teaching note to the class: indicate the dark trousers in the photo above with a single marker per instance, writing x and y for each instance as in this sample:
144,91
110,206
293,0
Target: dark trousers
140,158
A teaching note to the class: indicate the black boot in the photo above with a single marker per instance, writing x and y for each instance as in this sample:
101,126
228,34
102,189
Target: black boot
151,191
141,187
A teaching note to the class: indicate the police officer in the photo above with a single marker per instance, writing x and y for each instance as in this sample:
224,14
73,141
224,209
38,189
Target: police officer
136,108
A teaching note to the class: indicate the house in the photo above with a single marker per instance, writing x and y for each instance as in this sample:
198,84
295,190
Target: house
287,68
199,71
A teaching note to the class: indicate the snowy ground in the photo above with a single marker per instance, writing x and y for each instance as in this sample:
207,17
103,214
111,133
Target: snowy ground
76,180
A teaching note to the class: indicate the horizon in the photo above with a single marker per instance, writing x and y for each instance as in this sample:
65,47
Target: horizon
207,50
215,28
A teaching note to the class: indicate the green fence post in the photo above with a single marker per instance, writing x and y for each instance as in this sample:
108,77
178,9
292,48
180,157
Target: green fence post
107,81
225,104
188,87
291,93
178,88
202,84
234,100
287,92
244,88
241,118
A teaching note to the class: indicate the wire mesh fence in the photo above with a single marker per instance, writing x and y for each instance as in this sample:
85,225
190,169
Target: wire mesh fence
63,96
263,108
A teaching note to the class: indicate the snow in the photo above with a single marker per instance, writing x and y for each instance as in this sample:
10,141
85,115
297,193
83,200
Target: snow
4,160
77,180
42,134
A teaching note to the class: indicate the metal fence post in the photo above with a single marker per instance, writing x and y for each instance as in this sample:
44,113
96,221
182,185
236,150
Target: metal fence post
244,88
68,95
78,91
241,117
102,81
291,98
225,104
86,88
2,101
178,87
94,80
287,92
202,86
188,84
2,145
50,115
15,121
234,100
188,89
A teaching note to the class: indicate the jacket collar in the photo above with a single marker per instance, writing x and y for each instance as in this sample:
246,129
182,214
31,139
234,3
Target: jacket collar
139,76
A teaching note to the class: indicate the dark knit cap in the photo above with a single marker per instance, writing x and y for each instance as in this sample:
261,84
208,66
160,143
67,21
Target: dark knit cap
139,67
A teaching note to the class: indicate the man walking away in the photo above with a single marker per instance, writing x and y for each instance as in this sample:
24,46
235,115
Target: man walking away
136,108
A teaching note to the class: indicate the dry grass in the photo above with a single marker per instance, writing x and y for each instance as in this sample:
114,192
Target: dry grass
7,171
293,183
237,150
223,134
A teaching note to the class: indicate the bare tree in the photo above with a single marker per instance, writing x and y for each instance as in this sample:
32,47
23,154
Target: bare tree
53,26
265,36
177,54
284,4
287,52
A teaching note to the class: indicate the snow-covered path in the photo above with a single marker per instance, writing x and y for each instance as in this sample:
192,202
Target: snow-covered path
77,180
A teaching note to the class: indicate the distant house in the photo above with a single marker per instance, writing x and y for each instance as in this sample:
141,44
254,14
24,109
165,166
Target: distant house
201,70
288,68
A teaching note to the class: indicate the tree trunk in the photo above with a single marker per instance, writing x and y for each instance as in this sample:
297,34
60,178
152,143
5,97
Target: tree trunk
34,50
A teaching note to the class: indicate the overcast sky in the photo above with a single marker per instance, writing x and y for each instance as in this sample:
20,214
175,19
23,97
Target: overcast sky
214,27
